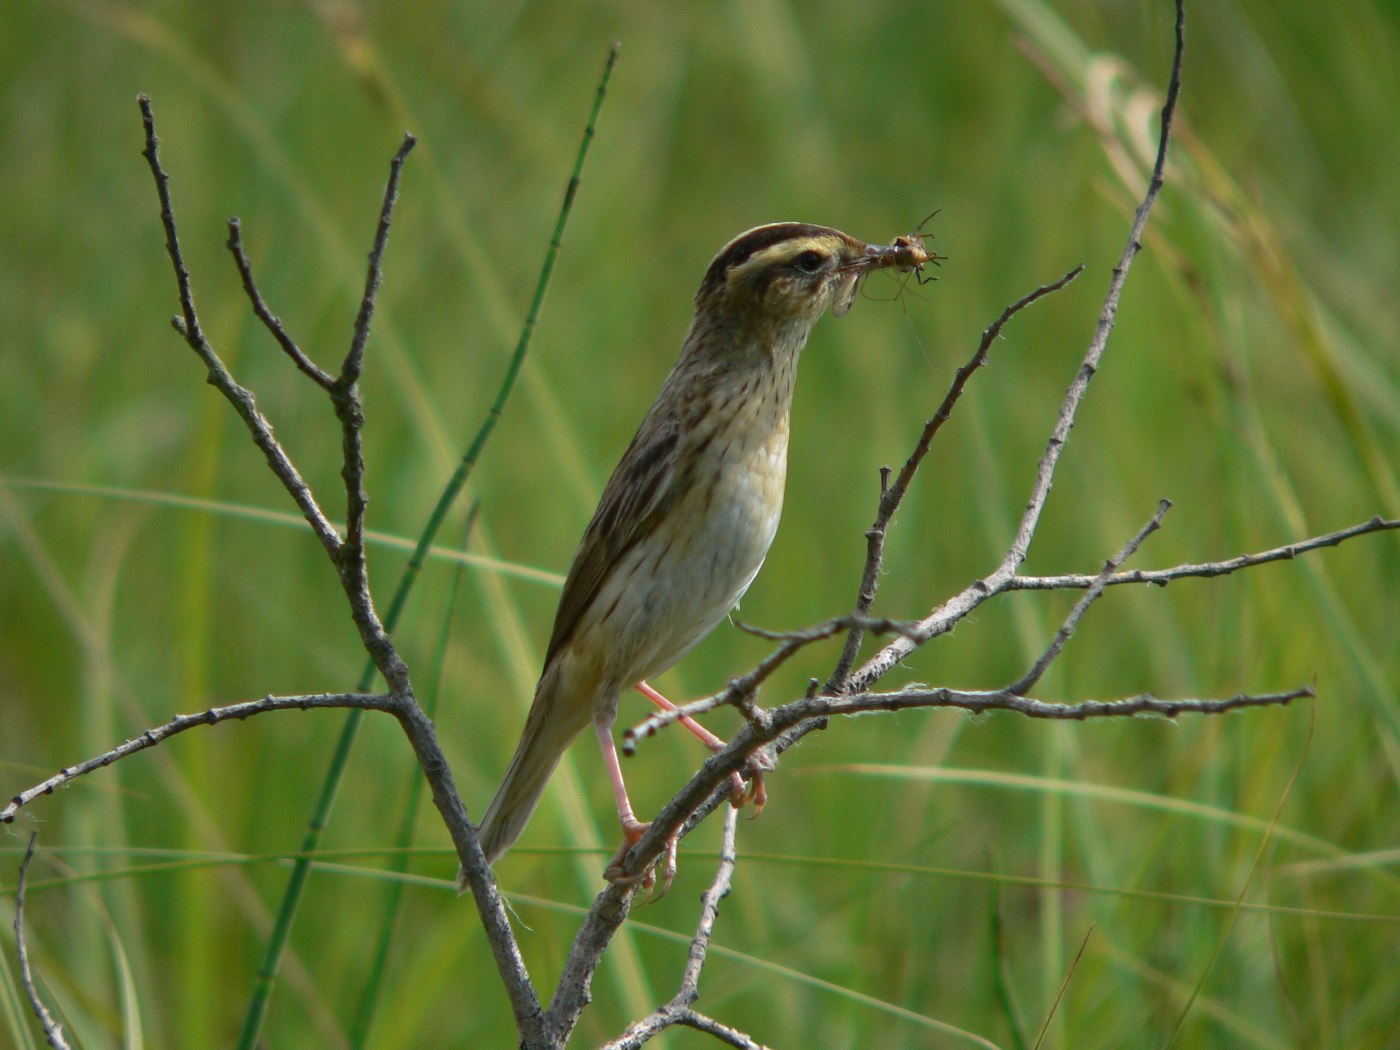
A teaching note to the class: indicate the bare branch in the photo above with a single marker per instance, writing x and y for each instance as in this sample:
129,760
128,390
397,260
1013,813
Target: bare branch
53,1031
725,1034
347,554
1076,614
345,396
678,1010
709,908
418,728
270,321
181,723
572,994
490,906
741,691
891,496
1004,700
187,324
782,727
354,360
1162,577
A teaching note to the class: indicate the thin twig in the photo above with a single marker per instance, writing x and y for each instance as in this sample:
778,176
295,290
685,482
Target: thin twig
781,727
891,496
187,324
1162,577
793,720
345,396
723,1032
53,1031
978,702
181,723
678,1010
1076,614
353,365
741,691
709,908
271,321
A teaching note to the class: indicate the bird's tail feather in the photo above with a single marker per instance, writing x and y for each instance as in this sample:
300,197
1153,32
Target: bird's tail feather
517,797
542,745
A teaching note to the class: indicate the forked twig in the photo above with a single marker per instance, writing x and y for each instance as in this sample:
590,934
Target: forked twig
740,691
680,1008
891,496
348,556
1076,614
1162,577
187,324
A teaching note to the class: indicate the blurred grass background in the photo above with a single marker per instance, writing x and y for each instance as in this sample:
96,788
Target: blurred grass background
910,872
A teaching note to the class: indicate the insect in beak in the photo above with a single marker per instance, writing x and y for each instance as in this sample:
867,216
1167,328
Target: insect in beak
907,253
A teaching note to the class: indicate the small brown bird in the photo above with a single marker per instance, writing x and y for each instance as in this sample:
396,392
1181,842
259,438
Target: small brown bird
687,517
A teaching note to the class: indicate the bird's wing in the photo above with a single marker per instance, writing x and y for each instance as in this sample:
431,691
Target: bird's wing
636,496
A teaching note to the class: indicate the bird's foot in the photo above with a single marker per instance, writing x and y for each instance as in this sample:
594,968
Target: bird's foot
760,762
652,889
755,790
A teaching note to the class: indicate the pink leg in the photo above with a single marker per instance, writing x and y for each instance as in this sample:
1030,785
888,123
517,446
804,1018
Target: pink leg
632,828
742,793
711,741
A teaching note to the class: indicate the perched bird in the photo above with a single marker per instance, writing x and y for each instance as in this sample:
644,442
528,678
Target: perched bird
687,517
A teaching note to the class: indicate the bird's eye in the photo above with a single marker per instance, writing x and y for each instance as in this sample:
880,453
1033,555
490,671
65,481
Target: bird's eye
809,262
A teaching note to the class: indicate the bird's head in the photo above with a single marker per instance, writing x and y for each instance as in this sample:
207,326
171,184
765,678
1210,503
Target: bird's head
792,271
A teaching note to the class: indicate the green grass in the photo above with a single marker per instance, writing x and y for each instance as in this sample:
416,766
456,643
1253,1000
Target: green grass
146,567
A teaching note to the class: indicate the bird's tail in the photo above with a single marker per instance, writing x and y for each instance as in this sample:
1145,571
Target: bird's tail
546,737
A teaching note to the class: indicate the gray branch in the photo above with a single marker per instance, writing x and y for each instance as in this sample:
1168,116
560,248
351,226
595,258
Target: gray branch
1076,614
1162,577
680,1008
181,723
347,553
53,1031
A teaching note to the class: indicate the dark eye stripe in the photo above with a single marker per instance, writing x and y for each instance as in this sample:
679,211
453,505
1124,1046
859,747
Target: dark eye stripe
745,246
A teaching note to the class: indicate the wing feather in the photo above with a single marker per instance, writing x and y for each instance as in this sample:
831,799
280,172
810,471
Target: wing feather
639,492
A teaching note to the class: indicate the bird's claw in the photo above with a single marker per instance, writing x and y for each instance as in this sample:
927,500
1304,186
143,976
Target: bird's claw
632,832
756,788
